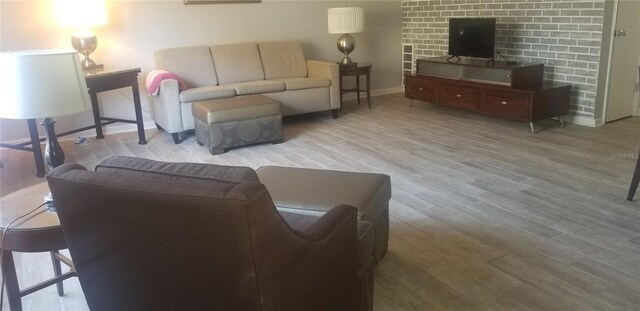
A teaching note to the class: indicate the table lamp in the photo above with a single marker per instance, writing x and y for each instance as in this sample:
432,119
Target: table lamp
82,15
42,84
346,20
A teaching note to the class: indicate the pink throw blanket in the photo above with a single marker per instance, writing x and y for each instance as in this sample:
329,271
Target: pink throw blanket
156,76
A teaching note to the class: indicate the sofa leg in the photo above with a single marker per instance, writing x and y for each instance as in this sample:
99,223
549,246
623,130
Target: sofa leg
176,138
215,151
335,113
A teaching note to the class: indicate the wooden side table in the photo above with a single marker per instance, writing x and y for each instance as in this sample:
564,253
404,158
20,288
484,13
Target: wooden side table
357,70
101,80
38,232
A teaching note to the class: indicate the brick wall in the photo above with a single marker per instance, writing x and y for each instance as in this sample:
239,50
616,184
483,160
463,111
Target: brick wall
565,35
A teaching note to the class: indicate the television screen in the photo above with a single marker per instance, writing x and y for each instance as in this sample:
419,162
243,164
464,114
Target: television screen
473,37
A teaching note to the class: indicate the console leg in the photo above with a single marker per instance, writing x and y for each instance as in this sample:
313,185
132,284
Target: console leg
561,122
533,130
411,102
635,180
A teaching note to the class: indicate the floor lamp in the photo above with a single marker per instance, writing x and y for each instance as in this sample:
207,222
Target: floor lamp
42,84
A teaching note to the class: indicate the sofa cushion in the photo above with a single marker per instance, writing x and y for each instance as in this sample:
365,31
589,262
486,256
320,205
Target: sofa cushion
193,65
257,87
292,84
237,62
182,172
300,222
283,60
206,92
235,109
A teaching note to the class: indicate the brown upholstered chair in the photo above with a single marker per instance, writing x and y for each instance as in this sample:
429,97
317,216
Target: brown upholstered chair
177,243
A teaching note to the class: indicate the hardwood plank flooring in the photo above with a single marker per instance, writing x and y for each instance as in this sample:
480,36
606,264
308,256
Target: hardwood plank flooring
484,215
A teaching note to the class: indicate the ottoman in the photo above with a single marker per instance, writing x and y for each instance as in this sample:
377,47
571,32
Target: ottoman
311,191
237,121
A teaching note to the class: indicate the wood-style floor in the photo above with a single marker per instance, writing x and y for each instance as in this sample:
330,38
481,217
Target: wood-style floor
484,215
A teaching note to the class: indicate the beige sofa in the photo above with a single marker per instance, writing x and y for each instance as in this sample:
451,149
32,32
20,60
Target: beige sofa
277,70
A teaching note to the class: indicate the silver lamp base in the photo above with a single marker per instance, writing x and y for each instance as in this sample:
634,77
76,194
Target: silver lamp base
346,45
85,42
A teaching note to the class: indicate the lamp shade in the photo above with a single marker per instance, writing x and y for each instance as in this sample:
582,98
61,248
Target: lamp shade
39,84
346,20
81,13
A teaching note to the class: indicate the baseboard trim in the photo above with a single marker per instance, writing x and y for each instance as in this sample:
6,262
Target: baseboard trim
586,121
124,128
378,92
114,129
109,129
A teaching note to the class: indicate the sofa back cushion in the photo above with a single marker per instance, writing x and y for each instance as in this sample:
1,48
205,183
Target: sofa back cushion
283,60
237,62
181,172
192,64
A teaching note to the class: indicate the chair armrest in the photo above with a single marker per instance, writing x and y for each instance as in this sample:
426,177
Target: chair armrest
331,71
322,227
166,106
324,254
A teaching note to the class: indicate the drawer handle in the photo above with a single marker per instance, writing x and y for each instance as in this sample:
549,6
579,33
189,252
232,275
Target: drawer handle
420,89
458,95
503,103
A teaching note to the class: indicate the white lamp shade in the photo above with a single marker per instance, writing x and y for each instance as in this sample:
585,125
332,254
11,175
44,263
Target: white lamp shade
346,20
81,13
39,84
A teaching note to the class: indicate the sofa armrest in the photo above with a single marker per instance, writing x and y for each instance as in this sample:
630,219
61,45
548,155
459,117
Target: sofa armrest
166,107
331,71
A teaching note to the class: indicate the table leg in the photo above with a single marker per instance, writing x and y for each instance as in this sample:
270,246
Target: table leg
358,88
136,104
35,145
635,180
57,271
11,281
368,90
96,114
340,86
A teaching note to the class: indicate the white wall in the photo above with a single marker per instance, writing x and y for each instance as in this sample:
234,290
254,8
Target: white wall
137,28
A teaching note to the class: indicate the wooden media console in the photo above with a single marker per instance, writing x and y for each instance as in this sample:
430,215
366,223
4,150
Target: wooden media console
512,91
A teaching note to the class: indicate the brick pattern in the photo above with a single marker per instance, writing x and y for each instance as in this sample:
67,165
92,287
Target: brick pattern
565,35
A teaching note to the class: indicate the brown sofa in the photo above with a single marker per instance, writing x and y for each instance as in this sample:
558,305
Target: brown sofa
152,235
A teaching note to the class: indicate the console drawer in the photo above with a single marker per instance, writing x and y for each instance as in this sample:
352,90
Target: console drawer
512,105
460,96
421,88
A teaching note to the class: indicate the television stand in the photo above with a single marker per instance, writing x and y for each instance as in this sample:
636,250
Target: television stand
490,62
515,92
454,56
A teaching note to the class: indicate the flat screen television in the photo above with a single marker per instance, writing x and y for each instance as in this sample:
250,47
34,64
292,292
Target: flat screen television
473,37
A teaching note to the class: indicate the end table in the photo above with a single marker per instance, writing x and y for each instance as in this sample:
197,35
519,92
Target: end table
38,232
101,80
357,70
